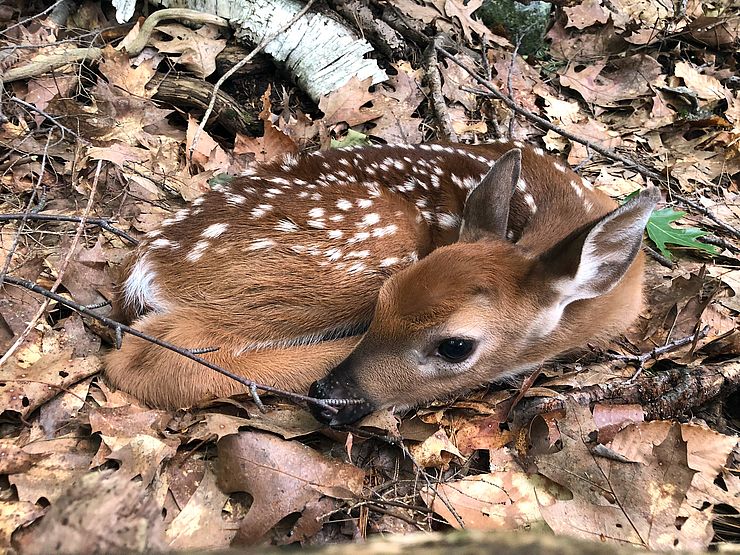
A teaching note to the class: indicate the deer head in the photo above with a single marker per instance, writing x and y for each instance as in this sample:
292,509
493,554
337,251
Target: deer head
484,308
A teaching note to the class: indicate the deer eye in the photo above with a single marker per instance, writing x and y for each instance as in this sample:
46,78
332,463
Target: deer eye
455,349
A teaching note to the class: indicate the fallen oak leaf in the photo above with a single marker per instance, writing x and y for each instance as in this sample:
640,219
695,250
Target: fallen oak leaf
661,232
281,476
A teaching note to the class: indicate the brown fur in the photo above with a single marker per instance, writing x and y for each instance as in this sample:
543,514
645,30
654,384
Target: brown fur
235,295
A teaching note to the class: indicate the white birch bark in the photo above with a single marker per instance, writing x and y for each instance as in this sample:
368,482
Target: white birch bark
321,53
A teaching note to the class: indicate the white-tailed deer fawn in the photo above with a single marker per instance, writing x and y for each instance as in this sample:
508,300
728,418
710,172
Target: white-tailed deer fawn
462,264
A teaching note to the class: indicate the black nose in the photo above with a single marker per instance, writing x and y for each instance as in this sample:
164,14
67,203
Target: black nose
330,388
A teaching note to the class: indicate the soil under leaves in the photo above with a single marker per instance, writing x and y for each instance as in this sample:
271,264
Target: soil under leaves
588,451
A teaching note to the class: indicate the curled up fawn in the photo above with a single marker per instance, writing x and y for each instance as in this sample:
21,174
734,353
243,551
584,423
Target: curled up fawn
389,274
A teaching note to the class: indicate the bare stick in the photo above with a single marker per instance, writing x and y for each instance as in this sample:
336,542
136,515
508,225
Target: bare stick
51,118
236,67
609,153
668,347
122,328
434,81
31,18
17,237
60,275
100,222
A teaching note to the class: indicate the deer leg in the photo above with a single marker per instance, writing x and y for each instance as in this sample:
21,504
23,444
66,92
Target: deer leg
162,378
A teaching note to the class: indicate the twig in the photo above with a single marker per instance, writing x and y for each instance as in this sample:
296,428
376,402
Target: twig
100,222
706,212
609,153
60,274
26,213
123,328
668,347
719,242
659,258
31,18
434,81
51,118
236,67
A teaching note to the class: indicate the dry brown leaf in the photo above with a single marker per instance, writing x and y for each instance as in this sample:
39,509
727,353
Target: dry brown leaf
117,69
345,104
14,515
629,79
497,501
65,459
705,86
198,48
132,436
585,14
396,100
100,513
200,524
272,144
436,451
281,476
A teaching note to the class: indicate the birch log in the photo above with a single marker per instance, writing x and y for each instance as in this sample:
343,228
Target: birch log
321,53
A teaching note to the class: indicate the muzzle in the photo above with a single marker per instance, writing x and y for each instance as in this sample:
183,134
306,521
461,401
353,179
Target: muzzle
336,385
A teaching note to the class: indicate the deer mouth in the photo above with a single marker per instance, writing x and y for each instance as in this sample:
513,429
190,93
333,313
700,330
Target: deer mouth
343,397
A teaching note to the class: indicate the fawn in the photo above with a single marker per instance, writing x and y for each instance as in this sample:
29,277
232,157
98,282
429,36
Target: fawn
392,275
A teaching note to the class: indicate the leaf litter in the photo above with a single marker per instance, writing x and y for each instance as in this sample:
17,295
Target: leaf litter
87,469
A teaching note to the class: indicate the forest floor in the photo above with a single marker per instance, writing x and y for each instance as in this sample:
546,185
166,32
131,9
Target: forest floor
632,93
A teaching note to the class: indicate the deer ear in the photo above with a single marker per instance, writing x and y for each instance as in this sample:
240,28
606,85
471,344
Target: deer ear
592,261
486,210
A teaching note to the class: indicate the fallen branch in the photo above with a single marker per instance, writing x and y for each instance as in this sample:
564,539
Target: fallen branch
662,394
100,222
120,329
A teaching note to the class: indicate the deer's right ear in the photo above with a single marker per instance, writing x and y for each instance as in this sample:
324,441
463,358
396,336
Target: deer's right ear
486,212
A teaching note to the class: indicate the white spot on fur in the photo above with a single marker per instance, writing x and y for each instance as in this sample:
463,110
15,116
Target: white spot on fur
357,254
162,243
445,220
316,224
214,230
538,151
316,213
587,184
386,262
529,199
364,203
286,226
385,231
356,268
369,219
261,210
333,254
560,167
199,201
344,204
521,184
197,251
576,188
153,233
335,234
260,244
234,199
336,218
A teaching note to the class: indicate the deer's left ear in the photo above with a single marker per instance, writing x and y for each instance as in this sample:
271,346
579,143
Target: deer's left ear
593,261
486,210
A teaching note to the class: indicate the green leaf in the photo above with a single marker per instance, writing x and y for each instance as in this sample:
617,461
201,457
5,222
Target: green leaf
352,138
662,233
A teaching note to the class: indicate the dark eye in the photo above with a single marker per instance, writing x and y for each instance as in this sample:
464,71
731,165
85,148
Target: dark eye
455,349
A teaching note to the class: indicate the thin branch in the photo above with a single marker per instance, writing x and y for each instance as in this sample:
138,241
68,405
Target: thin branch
31,18
609,153
26,213
659,258
100,222
60,274
667,348
123,328
434,80
236,67
51,118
